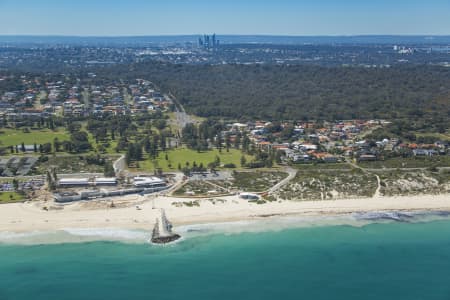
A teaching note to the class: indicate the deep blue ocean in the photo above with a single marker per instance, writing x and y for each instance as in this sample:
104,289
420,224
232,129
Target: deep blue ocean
376,261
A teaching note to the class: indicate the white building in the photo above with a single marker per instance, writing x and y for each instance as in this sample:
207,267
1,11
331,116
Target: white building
150,182
105,181
73,182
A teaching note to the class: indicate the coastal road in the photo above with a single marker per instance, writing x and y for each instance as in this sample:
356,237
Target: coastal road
291,174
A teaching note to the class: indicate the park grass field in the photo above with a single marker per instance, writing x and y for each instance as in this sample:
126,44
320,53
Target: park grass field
110,145
12,137
183,155
111,149
10,197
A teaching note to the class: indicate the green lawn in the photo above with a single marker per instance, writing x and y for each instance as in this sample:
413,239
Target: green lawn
12,137
111,149
10,197
183,155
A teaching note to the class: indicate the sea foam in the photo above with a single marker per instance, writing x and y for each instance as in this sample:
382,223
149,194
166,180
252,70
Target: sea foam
274,223
109,233
74,235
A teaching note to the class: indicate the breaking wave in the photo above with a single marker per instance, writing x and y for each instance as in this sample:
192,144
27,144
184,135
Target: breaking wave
273,223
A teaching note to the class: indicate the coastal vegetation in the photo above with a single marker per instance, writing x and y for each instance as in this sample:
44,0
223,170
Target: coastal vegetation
401,182
322,166
328,185
408,162
200,188
239,181
195,203
252,181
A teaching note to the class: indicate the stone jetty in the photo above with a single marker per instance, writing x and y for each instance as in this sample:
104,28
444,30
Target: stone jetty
162,231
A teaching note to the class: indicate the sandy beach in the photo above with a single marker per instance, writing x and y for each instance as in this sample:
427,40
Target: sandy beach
25,217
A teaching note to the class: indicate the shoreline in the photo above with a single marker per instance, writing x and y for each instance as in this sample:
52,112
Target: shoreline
29,217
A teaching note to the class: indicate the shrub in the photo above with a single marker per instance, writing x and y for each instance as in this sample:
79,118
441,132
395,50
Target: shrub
229,166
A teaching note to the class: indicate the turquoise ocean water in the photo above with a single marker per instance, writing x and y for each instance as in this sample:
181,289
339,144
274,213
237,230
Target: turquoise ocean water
394,260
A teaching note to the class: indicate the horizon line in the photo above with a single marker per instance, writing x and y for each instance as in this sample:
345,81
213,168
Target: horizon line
227,34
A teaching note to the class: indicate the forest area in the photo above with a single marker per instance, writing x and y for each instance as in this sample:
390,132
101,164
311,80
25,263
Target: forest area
410,93
274,92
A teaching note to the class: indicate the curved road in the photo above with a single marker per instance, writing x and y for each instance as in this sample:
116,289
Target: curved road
291,174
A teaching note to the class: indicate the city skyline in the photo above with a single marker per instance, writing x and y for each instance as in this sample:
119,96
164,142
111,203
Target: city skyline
250,17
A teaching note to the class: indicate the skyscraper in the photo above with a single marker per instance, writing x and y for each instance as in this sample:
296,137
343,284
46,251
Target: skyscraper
209,42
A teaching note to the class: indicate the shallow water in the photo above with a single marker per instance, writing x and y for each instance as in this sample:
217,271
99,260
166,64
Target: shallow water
343,258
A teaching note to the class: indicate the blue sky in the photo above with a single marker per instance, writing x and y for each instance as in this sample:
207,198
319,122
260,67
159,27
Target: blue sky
278,17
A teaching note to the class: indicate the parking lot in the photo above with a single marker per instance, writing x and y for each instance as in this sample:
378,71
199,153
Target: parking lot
25,185
16,166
